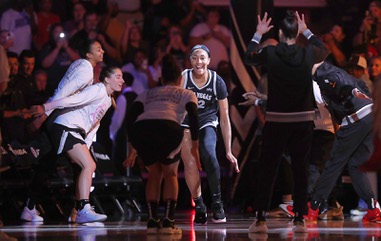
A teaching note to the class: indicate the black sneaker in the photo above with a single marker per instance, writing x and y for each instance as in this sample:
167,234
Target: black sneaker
218,213
169,227
201,215
153,226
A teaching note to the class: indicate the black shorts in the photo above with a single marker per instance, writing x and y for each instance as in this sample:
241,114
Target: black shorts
154,140
64,138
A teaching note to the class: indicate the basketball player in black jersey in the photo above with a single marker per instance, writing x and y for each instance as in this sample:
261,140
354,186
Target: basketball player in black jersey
211,92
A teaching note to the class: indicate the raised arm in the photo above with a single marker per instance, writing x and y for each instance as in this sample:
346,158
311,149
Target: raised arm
263,26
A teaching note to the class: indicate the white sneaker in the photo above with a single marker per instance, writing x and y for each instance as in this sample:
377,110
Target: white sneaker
87,215
73,215
358,212
31,215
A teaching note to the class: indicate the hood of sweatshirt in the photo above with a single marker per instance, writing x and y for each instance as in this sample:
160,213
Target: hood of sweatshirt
325,68
292,55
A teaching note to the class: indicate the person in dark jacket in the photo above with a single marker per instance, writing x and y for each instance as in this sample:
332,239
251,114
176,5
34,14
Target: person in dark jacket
289,112
350,107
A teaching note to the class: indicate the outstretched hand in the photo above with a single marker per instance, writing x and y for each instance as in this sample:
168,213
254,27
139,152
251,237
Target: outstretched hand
251,97
263,25
302,26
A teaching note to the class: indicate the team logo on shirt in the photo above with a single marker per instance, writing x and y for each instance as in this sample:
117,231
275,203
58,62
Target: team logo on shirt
203,96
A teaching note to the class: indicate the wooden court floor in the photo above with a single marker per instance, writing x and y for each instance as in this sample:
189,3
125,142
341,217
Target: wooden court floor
235,229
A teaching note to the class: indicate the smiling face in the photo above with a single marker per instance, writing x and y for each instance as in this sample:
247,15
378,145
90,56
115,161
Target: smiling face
27,66
116,80
95,54
375,67
200,60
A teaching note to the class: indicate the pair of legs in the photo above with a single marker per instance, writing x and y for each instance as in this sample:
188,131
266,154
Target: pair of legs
158,172
158,143
277,137
352,147
81,156
208,156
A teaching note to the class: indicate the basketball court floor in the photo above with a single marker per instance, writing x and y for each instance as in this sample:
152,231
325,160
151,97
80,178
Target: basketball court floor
235,229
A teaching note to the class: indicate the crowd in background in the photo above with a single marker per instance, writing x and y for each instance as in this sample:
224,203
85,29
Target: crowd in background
40,39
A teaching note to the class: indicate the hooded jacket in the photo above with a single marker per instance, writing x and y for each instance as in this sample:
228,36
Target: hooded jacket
289,70
336,87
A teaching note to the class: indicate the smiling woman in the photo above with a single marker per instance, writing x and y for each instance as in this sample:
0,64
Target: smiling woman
73,132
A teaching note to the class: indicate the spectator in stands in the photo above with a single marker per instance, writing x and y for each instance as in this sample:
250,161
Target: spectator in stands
132,41
76,23
130,11
45,20
369,34
213,35
56,56
19,20
13,61
358,67
139,69
176,46
19,95
112,27
333,40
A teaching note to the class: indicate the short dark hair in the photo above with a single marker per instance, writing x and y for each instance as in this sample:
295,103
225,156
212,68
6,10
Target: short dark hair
170,71
26,53
11,54
128,78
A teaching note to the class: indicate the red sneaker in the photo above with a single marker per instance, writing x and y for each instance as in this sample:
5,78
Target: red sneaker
373,215
312,214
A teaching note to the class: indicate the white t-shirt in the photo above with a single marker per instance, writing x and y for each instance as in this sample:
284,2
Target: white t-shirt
166,102
325,121
83,110
79,75
19,24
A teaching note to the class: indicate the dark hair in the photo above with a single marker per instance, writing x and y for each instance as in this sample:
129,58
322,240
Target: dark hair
51,40
11,54
289,25
26,53
85,47
170,71
128,78
106,71
200,46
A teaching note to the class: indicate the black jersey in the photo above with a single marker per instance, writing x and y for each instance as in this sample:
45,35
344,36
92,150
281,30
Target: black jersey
207,96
